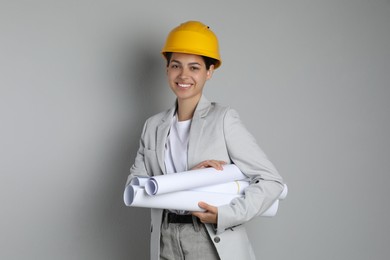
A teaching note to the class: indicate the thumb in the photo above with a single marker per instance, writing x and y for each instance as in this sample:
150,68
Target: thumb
206,206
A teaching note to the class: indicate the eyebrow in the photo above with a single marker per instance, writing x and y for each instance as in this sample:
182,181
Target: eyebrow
191,63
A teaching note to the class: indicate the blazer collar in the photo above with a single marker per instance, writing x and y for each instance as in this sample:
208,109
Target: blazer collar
202,108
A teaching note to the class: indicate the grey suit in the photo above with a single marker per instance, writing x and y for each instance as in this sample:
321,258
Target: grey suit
216,133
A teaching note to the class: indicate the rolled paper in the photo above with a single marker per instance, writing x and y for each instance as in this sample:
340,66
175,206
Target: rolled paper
283,195
136,196
233,187
183,191
139,180
192,179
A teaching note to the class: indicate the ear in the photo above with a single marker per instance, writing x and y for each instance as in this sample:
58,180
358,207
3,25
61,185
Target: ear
210,72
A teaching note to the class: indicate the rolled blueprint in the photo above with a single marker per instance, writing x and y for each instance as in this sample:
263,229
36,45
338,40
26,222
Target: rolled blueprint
283,195
183,191
192,179
139,181
136,196
233,187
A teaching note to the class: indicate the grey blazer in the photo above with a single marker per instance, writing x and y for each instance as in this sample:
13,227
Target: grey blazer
216,133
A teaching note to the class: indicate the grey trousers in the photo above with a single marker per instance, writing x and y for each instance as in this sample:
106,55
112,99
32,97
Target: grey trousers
188,241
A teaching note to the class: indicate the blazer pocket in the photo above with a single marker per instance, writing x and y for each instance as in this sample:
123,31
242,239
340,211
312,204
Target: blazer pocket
151,162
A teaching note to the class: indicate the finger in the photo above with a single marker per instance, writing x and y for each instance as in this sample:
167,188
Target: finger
196,213
215,164
208,207
219,165
203,216
199,166
207,217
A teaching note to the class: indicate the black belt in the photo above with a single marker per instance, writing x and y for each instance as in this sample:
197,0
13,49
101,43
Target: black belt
175,218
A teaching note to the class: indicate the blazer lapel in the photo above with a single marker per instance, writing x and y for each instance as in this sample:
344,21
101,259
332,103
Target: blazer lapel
162,134
197,125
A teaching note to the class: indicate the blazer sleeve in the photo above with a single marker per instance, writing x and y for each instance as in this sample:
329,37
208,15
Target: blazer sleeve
138,168
265,182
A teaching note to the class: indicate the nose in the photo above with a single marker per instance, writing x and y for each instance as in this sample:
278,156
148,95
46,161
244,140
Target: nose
183,73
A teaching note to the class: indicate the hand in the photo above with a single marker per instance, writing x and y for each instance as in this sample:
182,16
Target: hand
216,164
210,216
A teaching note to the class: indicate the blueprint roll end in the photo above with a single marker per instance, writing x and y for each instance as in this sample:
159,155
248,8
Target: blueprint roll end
283,195
128,195
151,187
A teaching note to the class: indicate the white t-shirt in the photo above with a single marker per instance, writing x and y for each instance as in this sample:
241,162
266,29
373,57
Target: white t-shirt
176,149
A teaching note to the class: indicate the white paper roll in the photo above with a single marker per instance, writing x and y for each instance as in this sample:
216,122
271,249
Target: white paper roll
192,179
183,191
284,193
139,181
136,196
233,187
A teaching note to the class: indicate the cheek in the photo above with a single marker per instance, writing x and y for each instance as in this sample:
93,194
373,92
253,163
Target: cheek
171,74
202,79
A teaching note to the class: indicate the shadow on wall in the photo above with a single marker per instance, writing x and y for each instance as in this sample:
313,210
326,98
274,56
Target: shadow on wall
149,91
147,94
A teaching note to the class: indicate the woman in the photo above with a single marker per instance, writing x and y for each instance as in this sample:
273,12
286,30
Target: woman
196,133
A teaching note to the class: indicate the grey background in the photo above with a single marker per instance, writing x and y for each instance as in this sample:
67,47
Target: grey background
310,80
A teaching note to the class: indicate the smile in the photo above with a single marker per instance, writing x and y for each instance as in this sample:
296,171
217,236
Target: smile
182,85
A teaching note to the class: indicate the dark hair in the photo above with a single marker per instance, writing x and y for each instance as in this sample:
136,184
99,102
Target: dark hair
207,60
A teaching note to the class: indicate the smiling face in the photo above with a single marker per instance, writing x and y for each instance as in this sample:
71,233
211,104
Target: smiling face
187,75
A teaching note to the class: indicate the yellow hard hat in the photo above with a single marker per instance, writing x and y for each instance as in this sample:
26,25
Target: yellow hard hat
193,37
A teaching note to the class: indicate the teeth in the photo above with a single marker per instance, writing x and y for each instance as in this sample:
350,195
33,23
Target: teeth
184,85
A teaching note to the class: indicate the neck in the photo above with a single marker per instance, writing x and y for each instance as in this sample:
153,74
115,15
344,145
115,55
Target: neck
186,109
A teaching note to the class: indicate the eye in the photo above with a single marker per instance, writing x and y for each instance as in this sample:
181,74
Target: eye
174,66
193,68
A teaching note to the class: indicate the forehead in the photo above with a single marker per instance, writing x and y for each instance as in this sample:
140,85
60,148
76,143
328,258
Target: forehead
187,58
